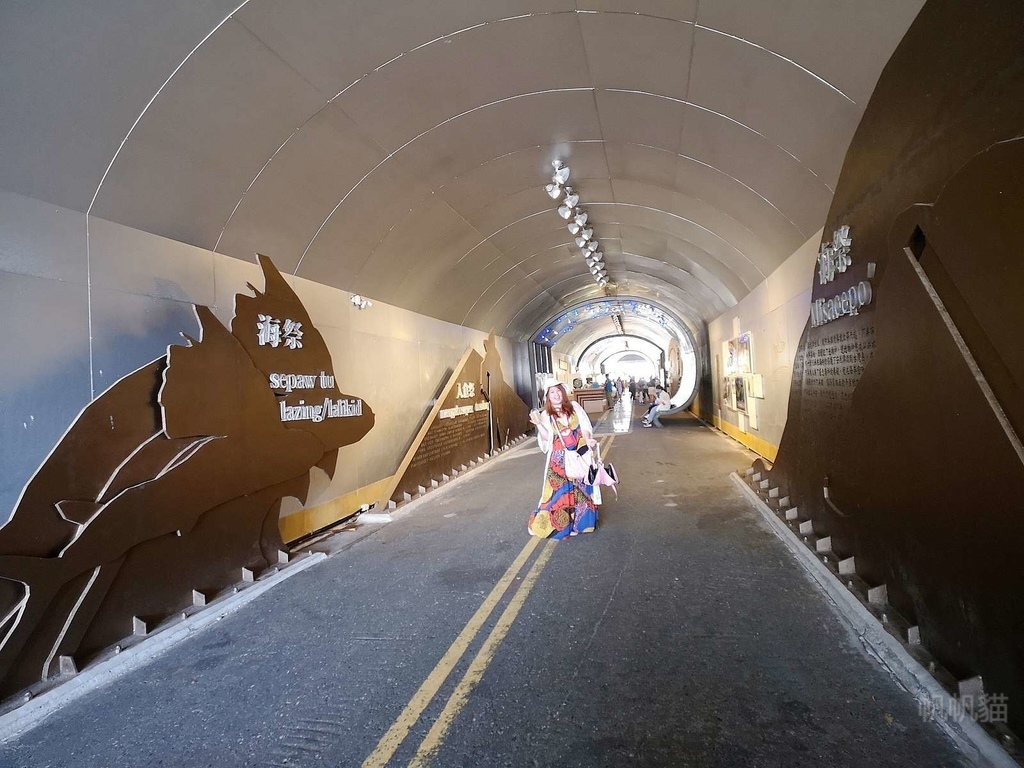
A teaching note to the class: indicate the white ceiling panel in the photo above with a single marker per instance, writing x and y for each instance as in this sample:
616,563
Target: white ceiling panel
682,10
816,34
640,118
289,197
334,44
495,129
748,165
401,149
480,191
76,76
750,86
631,51
214,126
527,55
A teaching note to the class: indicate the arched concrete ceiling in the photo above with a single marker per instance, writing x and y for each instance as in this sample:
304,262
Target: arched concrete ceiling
399,149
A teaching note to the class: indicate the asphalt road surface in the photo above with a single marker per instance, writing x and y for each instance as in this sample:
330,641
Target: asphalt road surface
681,633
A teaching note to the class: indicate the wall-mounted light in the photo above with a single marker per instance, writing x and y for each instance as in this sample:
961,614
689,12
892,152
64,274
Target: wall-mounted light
359,302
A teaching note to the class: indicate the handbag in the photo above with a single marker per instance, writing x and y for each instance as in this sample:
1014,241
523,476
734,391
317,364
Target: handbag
577,467
603,474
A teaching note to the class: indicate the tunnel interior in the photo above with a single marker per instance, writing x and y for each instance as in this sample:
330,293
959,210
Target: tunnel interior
799,215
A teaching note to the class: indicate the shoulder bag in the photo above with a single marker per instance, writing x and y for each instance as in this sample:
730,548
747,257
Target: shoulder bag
577,466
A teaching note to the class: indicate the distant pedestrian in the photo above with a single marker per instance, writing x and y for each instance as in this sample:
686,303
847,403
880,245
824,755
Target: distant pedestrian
662,402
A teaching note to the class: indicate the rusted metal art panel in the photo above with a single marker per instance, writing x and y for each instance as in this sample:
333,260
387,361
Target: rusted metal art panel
455,431
476,412
511,414
902,443
171,482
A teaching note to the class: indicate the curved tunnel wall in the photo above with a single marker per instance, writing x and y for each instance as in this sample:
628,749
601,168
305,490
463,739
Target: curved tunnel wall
773,316
139,150
909,412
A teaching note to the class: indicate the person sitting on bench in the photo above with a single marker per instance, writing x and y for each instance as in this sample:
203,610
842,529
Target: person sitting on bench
662,402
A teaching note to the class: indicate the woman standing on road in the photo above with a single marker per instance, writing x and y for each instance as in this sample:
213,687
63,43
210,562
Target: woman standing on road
566,507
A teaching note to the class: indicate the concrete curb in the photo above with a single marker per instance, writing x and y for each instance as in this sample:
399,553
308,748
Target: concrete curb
94,676
968,736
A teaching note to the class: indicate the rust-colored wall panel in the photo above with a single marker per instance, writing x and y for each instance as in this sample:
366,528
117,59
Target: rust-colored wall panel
449,438
77,469
171,481
923,464
511,413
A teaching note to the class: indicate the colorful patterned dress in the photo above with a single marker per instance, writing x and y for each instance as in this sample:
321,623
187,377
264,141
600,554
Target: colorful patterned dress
566,507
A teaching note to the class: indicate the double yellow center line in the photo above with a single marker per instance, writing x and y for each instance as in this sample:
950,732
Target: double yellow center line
431,743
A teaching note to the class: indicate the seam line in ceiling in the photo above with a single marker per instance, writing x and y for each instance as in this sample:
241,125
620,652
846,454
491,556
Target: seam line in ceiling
515,98
629,253
798,229
617,223
699,301
724,116
686,90
251,185
802,68
462,31
545,292
713,291
528,276
504,101
154,98
699,304
411,50
593,95
410,141
689,221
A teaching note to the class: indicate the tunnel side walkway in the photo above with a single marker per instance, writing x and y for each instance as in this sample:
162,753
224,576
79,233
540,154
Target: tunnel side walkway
681,633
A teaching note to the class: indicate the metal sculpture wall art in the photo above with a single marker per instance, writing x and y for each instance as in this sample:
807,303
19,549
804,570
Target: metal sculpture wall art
169,482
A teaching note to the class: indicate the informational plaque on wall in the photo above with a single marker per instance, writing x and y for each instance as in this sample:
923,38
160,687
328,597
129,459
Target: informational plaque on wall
475,413
454,433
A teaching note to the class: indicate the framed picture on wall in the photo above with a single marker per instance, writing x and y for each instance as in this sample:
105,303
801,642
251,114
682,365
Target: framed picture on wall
737,353
740,386
563,366
743,353
755,385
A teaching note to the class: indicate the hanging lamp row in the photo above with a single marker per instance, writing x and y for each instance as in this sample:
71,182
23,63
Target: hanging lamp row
570,210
